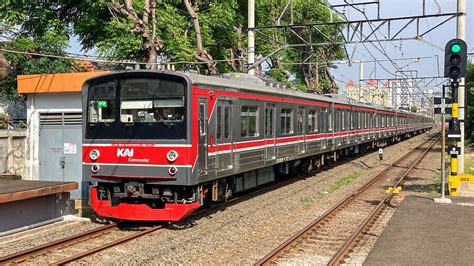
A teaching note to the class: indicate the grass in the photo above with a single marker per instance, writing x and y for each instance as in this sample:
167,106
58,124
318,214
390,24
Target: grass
436,186
469,165
345,181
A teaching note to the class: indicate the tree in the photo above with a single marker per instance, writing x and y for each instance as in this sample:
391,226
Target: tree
209,31
469,126
201,53
314,77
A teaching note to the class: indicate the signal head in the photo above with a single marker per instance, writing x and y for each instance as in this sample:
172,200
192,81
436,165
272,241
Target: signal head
455,58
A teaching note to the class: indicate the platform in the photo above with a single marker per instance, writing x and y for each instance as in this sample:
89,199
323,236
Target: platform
424,233
24,203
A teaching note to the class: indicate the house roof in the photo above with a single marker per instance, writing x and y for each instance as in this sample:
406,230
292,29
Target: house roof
350,84
48,83
372,82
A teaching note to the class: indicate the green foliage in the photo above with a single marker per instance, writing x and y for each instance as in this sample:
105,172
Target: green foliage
306,77
46,26
469,100
49,43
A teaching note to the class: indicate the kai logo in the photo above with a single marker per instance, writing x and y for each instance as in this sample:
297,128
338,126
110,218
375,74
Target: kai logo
124,152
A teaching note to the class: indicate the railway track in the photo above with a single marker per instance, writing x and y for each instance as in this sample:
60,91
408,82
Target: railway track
88,243
81,245
331,237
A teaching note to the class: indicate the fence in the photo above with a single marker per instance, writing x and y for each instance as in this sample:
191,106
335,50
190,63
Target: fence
12,152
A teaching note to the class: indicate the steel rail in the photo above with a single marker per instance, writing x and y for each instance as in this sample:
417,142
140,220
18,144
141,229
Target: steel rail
344,250
41,249
106,246
268,258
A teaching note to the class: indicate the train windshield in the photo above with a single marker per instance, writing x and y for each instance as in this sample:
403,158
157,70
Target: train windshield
151,101
137,108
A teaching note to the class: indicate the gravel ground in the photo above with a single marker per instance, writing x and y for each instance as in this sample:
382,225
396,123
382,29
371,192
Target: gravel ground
246,231
23,241
420,182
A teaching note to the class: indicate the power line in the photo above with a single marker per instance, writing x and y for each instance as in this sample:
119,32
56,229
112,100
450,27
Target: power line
91,59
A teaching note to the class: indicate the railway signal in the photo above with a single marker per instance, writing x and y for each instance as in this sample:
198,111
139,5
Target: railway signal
455,68
455,58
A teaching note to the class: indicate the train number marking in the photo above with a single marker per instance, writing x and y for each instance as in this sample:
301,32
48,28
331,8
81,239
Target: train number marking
282,159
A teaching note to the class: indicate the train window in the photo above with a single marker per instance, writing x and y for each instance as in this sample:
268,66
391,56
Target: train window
323,118
269,121
329,120
102,102
226,122
219,124
202,121
312,121
151,100
286,121
343,121
359,120
248,121
300,120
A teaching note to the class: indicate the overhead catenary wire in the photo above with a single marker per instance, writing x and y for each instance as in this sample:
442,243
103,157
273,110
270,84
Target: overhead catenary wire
92,59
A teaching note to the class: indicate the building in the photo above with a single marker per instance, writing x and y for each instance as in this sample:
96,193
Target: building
54,133
371,92
351,90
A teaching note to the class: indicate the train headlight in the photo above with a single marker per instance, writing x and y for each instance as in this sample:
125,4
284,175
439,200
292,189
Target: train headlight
94,154
172,156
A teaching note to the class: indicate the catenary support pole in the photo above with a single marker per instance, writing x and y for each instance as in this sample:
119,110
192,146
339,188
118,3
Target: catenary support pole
251,37
361,80
461,34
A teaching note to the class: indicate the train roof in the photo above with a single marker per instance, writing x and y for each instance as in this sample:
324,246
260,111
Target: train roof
243,81
255,84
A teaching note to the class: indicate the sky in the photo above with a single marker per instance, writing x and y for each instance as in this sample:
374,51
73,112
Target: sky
395,50
409,48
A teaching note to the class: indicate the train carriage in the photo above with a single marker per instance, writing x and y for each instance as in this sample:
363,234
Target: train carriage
158,145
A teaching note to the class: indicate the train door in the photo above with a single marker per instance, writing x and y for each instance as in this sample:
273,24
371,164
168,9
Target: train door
330,130
337,128
323,127
203,128
270,131
300,119
223,135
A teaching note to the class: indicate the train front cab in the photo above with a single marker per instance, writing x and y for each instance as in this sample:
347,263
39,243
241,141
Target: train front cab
137,146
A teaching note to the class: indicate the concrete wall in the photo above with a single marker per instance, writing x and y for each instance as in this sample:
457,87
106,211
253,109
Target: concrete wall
12,152
44,103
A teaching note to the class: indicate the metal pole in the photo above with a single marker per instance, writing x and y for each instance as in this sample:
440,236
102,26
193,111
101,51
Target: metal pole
461,34
251,37
443,198
361,80
443,155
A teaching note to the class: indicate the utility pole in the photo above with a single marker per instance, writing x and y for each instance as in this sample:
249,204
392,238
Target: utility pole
251,37
361,80
461,34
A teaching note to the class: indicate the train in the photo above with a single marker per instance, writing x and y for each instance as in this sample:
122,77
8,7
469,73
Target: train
159,145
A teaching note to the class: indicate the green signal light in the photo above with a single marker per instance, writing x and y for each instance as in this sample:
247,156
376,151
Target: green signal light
456,48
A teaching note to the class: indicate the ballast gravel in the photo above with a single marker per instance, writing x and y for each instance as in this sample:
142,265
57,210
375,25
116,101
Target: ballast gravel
420,182
19,242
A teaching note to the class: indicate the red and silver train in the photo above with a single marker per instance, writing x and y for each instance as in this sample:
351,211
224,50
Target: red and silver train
159,145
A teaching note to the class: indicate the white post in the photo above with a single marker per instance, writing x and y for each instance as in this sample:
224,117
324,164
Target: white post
461,34
251,37
361,80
